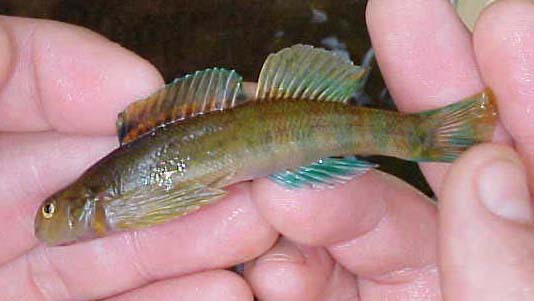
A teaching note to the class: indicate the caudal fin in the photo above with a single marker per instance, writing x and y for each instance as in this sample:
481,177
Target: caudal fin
456,127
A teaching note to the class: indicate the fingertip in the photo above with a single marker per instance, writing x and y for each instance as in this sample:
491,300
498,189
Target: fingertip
323,216
487,179
485,222
500,11
250,89
503,43
465,168
289,271
480,153
85,80
403,240
424,51
460,179
226,285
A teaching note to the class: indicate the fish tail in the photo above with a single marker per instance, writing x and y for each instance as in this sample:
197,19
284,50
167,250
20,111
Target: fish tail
450,130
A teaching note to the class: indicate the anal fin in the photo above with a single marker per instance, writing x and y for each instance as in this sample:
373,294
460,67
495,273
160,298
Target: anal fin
325,172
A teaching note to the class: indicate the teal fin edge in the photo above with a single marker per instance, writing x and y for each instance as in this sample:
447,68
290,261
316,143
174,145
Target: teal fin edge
326,172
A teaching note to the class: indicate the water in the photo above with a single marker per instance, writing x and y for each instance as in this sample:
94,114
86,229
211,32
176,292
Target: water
179,37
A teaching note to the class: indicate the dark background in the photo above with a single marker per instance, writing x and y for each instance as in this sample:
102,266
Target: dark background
182,36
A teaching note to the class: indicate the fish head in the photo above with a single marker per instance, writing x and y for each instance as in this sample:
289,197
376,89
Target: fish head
65,218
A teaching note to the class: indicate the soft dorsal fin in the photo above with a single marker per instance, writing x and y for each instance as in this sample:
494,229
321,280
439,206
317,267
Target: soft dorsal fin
194,94
305,72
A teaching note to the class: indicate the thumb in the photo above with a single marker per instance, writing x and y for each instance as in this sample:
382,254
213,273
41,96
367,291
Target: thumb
486,232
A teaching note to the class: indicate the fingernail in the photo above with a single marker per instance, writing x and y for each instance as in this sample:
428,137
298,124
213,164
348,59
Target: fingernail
504,191
283,251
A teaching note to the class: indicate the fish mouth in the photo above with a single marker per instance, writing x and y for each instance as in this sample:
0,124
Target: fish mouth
66,243
61,243
48,235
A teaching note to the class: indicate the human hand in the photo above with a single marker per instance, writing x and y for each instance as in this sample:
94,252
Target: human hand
61,88
375,227
376,238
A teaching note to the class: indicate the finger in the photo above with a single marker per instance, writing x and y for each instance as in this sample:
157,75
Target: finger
425,54
32,167
400,245
63,77
503,42
422,284
342,285
218,236
212,285
249,88
374,226
289,272
486,233
330,216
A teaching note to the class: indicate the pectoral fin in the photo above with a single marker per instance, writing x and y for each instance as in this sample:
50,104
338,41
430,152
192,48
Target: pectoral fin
145,208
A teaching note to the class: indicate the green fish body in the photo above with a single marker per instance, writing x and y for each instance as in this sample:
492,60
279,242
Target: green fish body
183,145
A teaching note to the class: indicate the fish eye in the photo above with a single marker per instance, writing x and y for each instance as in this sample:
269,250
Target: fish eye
48,210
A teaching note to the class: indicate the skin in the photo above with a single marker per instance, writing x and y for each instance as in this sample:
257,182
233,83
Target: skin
375,227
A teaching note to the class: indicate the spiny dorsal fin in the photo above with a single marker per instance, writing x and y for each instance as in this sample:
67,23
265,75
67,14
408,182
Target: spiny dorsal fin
325,172
194,94
305,72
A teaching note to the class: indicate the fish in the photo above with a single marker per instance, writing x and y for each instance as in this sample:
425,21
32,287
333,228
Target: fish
183,145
